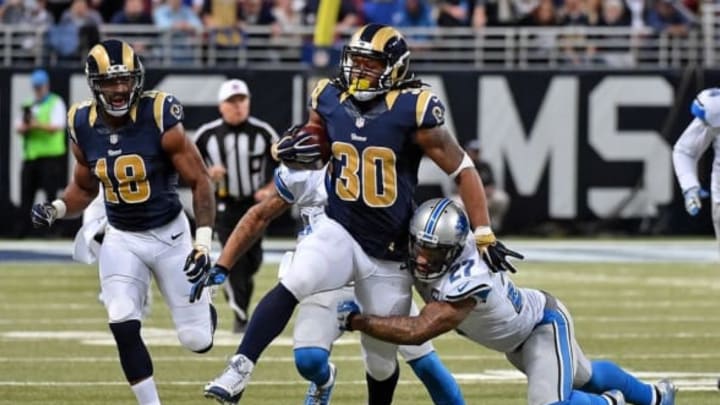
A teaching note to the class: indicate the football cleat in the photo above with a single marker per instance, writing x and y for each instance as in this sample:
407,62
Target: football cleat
615,396
229,386
667,391
321,395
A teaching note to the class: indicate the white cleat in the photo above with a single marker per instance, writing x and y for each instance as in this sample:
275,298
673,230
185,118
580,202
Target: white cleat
321,395
615,396
229,386
667,391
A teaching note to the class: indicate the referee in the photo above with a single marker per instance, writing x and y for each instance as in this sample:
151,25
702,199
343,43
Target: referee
236,149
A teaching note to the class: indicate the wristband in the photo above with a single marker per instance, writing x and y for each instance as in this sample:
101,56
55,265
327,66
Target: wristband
203,236
60,208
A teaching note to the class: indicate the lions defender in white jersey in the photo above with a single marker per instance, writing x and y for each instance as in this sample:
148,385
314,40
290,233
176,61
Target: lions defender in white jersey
532,328
315,327
702,132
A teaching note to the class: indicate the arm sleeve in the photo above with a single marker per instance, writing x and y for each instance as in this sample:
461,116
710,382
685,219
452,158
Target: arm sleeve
688,149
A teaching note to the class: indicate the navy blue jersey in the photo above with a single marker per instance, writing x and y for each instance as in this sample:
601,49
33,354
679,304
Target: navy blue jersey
374,162
137,176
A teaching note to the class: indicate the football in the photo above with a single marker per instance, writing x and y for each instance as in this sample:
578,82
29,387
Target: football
319,137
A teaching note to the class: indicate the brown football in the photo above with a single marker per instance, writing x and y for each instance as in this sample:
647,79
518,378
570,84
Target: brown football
319,137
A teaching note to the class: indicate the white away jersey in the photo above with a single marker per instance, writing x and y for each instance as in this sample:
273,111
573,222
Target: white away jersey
304,188
504,315
702,132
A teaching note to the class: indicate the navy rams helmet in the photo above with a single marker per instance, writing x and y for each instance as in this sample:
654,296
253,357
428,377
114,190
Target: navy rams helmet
108,63
378,42
438,232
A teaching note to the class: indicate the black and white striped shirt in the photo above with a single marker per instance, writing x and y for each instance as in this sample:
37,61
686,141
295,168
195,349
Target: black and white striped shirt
244,151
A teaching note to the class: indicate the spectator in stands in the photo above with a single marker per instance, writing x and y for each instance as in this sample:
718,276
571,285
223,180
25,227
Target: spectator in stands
287,14
414,13
179,18
256,12
348,17
381,11
132,13
665,17
454,13
44,145
25,12
76,32
544,15
224,21
501,12
614,14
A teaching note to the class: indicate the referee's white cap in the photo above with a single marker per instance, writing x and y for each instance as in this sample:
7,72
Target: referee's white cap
231,88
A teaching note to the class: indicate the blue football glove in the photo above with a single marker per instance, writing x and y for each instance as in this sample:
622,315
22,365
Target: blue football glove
345,312
43,215
215,276
692,200
297,148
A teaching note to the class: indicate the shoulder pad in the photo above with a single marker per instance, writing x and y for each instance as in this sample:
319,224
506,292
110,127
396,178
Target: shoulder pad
72,113
167,110
464,280
315,95
706,107
427,108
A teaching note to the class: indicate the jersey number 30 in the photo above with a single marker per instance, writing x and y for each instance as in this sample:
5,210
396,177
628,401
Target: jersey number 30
373,172
131,177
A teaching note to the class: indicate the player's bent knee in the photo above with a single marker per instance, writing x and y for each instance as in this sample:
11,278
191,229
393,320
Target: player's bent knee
122,310
195,340
381,370
311,361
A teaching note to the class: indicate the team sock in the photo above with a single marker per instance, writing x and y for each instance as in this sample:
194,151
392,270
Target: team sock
146,392
607,376
269,319
381,392
437,379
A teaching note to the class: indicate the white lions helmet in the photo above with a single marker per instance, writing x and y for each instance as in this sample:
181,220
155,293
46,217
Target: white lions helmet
438,231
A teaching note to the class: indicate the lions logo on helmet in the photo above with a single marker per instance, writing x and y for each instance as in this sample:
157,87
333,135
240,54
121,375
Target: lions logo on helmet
377,42
111,67
438,232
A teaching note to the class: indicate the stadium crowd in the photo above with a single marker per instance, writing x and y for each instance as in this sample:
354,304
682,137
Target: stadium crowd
73,24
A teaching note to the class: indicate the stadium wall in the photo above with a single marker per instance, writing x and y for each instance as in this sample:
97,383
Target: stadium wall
579,152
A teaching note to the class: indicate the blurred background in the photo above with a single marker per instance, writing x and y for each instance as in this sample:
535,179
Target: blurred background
572,106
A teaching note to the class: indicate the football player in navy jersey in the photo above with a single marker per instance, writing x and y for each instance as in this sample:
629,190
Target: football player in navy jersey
380,121
133,144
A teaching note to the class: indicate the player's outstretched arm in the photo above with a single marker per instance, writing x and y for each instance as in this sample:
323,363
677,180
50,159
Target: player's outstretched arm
443,149
436,318
78,194
251,227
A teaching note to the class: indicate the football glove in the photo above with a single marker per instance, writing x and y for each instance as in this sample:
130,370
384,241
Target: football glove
496,255
197,263
693,196
297,147
215,276
345,312
43,215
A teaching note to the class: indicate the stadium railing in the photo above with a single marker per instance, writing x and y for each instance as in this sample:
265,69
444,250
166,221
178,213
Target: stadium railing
496,48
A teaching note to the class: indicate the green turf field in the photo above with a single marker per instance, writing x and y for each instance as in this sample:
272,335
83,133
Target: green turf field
55,347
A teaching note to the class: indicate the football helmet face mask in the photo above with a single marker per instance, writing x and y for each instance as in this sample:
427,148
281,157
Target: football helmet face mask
115,75
374,61
438,232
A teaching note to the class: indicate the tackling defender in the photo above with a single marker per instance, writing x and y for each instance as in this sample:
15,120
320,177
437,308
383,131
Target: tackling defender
315,327
532,327
703,131
380,122
134,144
